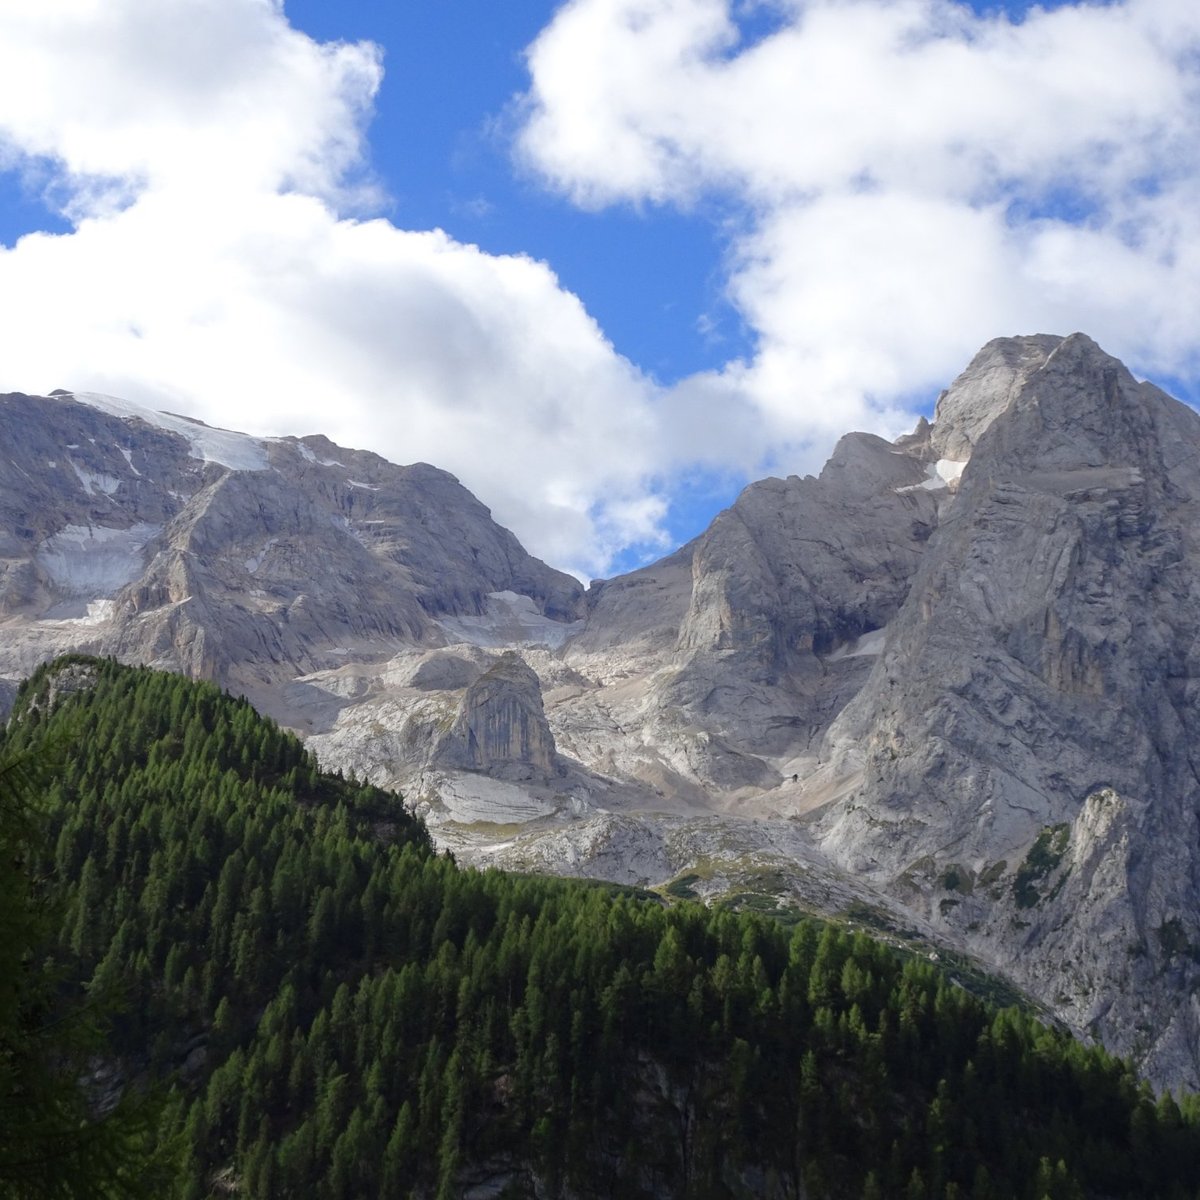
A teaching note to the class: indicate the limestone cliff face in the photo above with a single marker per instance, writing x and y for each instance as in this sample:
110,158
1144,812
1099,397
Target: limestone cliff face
800,566
501,727
955,677
984,390
968,663
744,638
246,560
1029,733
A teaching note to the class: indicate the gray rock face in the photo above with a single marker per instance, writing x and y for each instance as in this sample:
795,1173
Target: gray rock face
246,560
984,390
799,566
954,678
1025,748
501,726
639,613
741,637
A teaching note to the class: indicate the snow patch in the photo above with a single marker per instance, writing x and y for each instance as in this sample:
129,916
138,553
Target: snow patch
92,562
868,644
308,455
511,620
237,451
256,560
96,613
938,475
370,487
94,482
129,458
949,470
468,798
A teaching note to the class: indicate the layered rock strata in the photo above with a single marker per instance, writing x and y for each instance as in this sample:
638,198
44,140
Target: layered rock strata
501,727
950,683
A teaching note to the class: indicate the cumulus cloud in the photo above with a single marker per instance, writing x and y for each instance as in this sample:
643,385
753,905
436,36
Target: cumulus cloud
208,155
901,180
913,178
204,94
282,318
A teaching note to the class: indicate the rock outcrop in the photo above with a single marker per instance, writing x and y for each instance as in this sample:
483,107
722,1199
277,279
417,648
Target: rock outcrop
501,727
950,683
246,560
1025,748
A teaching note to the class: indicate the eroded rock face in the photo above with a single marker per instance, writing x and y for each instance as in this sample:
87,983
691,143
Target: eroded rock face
246,560
741,640
501,726
1031,727
953,677
984,390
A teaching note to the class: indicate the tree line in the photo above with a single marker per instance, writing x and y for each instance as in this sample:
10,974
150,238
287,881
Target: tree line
320,1005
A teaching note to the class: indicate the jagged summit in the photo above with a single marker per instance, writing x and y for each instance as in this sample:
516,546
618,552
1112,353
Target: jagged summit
952,680
984,390
244,559
1037,684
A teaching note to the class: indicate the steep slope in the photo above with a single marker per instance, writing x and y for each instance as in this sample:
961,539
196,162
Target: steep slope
343,1013
721,664
947,685
1026,744
244,560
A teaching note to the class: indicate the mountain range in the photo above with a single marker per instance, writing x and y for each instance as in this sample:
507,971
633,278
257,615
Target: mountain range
946,688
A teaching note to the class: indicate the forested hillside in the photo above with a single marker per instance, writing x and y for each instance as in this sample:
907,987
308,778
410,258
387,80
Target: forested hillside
335,1011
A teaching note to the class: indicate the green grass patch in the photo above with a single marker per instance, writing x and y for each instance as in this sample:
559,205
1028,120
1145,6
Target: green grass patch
681,888
1044,856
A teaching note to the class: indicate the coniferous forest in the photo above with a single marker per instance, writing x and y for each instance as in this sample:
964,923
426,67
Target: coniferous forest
226,973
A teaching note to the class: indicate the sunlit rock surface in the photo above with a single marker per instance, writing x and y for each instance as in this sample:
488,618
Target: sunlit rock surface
947,688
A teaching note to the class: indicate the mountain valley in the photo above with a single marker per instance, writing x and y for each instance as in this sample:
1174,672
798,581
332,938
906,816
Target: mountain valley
946,688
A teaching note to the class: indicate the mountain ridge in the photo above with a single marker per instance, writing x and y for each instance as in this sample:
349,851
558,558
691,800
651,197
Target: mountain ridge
949,680
339,1011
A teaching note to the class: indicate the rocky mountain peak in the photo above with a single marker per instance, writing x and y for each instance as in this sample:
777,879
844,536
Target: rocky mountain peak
984,390
955,678
863,465
173,543
1080,410
1040,675
501,726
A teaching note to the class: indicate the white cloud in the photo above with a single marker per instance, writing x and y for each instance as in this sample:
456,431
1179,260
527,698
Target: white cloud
202,94
914,94
282,318
914,178
222,282
890,168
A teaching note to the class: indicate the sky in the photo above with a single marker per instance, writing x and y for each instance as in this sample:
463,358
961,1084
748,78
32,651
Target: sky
604,260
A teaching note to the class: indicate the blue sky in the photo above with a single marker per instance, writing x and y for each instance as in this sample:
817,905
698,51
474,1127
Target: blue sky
441,143
686,242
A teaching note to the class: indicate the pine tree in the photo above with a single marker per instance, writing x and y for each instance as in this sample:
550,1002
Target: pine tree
51,1141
